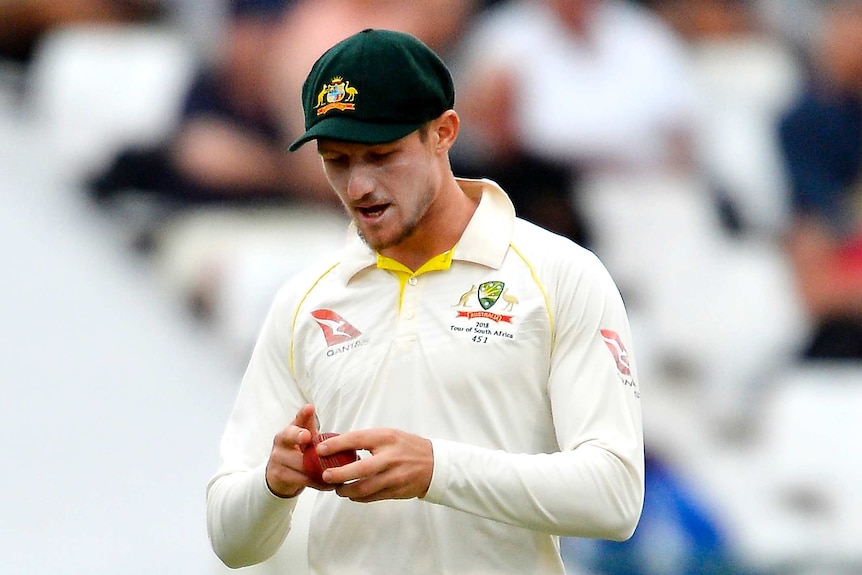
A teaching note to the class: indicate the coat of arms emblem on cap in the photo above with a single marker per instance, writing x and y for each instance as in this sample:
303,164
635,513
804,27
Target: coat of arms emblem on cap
337,95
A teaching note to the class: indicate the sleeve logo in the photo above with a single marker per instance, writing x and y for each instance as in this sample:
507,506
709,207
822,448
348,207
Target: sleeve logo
621,356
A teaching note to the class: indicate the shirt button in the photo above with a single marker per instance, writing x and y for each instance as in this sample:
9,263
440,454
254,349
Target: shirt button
409,315
413,281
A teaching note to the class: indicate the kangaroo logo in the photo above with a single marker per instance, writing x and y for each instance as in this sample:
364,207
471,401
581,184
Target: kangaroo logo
335,328
618,350
464,300
338,95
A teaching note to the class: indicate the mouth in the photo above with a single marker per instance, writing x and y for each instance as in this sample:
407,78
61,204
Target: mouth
372,212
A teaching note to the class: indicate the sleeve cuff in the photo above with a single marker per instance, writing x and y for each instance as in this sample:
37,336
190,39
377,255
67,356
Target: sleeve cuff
440,474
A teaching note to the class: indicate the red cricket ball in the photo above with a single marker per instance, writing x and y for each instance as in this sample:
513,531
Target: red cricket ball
315,464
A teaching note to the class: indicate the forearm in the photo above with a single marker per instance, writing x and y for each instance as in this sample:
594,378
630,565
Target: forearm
586,492
216,154
246,522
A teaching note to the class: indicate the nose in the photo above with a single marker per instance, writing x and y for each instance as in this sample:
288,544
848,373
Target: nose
360,182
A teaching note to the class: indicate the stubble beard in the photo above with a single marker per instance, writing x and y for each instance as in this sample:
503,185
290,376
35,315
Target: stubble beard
407,230
408,227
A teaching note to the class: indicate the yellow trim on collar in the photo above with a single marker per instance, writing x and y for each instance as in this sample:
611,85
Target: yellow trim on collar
440,262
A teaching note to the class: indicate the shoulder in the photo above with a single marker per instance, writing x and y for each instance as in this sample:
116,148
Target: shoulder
323,274
575,282
552,255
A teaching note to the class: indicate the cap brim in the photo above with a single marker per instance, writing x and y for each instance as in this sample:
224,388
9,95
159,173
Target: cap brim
352,130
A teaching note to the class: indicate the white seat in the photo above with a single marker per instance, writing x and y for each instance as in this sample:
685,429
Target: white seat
745,85
94,89
722,307
791,497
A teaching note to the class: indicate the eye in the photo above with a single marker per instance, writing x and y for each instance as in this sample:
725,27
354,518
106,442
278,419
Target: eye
334,159
378,156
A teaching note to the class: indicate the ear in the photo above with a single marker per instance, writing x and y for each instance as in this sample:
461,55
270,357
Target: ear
446,128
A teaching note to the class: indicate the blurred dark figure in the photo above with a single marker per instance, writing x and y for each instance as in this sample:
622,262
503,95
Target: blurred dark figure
229,147
679,534
23,23
696,20
542,190
821,138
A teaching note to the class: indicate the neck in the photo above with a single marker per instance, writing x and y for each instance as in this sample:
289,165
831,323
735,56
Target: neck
441,228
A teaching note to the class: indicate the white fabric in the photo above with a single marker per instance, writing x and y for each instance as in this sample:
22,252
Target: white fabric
536,431
96,89
615,99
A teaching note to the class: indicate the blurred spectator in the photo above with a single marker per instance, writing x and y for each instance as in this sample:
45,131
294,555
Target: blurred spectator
794,20
821,137
696,20
573,89
24,23
229,146
745,74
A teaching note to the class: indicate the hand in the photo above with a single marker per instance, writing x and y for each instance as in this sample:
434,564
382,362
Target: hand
284,474
399,467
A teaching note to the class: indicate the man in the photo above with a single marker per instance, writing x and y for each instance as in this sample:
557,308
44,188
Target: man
489,425
820,136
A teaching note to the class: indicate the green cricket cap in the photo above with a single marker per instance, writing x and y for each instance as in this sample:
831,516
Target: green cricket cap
374,87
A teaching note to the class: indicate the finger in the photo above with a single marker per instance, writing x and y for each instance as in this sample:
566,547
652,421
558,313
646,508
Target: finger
305,418
336,444
292,437
373,489
346,473
357,440
282,475
285,474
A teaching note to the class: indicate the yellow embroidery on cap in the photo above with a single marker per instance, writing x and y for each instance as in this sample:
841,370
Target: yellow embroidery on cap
336,95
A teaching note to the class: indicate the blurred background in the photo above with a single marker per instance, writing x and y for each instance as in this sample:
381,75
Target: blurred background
709,151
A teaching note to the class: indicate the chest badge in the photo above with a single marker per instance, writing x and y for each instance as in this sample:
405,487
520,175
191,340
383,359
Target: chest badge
489,293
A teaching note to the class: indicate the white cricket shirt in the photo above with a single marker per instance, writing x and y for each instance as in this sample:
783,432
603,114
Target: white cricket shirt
512,352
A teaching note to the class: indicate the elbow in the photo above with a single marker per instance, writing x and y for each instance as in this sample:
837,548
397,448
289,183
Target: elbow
237,542
623,529
234,556
620,526
234,562
608,522
627,504
618,519
240,549
234,550
230,562
617,527
231,557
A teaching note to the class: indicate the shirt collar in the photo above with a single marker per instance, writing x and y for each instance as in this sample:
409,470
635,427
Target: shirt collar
485,240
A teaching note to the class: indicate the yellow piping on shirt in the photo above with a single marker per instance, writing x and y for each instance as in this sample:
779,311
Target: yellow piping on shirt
542,289
296,315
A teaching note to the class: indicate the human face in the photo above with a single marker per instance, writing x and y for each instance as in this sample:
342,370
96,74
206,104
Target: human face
388,189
